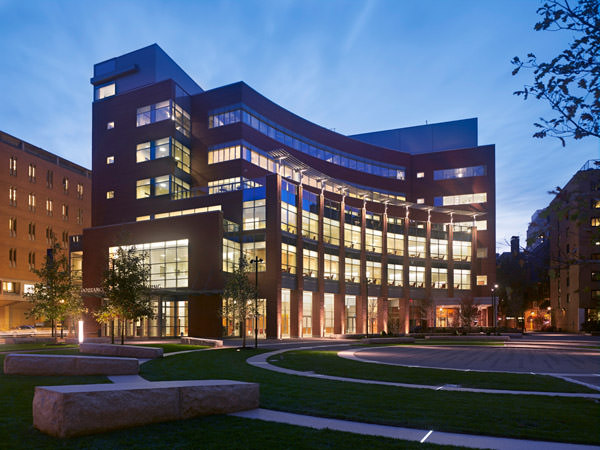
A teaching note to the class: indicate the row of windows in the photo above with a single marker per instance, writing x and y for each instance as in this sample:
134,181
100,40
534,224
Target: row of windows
163,185
183,212
164,111
31,205
162,148
12,170
167,262
31,231
285,137
373,274
462,199
460,172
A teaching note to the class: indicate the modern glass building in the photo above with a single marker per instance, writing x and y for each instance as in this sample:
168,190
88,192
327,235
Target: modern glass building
385,230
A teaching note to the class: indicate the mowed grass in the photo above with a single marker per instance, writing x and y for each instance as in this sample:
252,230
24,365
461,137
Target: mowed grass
518,416
329,363
32,346
172,348
215,432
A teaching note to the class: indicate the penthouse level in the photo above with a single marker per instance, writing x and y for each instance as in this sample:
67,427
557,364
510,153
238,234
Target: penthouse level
372,230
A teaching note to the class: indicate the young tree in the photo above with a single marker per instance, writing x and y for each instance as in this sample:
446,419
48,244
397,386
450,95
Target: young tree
54,296
467,312
570,82
126,289
371,314
239,293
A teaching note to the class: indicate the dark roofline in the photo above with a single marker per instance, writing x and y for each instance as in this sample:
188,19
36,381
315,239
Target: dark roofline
44,154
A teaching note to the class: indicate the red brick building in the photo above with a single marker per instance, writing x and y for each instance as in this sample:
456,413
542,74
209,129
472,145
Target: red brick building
45,195
393,226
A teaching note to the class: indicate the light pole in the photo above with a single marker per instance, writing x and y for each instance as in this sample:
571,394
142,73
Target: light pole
256,261
495,306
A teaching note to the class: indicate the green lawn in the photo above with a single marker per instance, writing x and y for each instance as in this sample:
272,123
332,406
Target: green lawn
215,432
32,346
328,363
171,348
529,417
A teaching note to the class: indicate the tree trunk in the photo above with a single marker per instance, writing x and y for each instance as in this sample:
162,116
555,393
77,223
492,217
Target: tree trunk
243,331
52,326
112,331
122,331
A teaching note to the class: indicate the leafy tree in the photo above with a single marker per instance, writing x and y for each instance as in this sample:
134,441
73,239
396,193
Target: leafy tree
55,296
239,293
371,314
569,82
126,290
467,312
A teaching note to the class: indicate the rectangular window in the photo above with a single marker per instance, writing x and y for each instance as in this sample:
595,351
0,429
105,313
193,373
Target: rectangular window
595,276
463,199
420,201
65,183
352,270
65,212
310,261
439,277
110,160
12,257
49,179
288,258
12,166
254,214
373,272
416,276
420,174
482,252
350,305
256,249
12,196
481,280
461,172
439,249
110,194
79,191
595,221
331,267
12,226
163,185
416,246
462,279
231,255
461,250
49,207
80,216
163,148
31,231
31,260
167,262
31,201
164,111
31,173
110,125
395,274
107,90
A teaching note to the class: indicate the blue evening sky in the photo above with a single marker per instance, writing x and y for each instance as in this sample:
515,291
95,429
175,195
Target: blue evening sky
354,66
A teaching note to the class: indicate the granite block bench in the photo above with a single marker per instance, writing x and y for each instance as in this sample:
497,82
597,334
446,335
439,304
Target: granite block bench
473,337
131,351
388,340
35,364
65,411
202,341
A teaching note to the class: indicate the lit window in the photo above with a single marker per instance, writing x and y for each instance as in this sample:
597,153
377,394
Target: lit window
482,252
12,196
420,201
420,174
108,90
79,191
49,207
110,194
12,166
32,173
463,199
110,125
65,212
595,221
31,202
481,280
110,160
461,172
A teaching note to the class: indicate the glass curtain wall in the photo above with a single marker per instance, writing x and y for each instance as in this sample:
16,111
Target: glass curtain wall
285,313
328,310
310,215
350,304
307,305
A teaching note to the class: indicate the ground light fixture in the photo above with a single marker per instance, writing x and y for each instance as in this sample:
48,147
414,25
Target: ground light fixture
256,261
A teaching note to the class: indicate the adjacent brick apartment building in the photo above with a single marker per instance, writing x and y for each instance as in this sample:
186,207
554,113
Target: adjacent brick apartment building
45,195
574,224
395,225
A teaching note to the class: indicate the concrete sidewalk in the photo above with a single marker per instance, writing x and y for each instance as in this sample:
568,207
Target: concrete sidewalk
408,434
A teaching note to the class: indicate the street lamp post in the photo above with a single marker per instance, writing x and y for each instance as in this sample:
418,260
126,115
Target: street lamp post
495,306
256,261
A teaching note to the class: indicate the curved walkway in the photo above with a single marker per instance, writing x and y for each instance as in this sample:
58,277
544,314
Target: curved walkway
262,362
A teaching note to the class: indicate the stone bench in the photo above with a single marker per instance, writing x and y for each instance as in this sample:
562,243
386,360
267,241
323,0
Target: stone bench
478,337
34,364
202,341
65,411
390,340
131,351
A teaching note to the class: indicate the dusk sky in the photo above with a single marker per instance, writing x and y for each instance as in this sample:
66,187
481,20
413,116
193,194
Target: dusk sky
353,66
